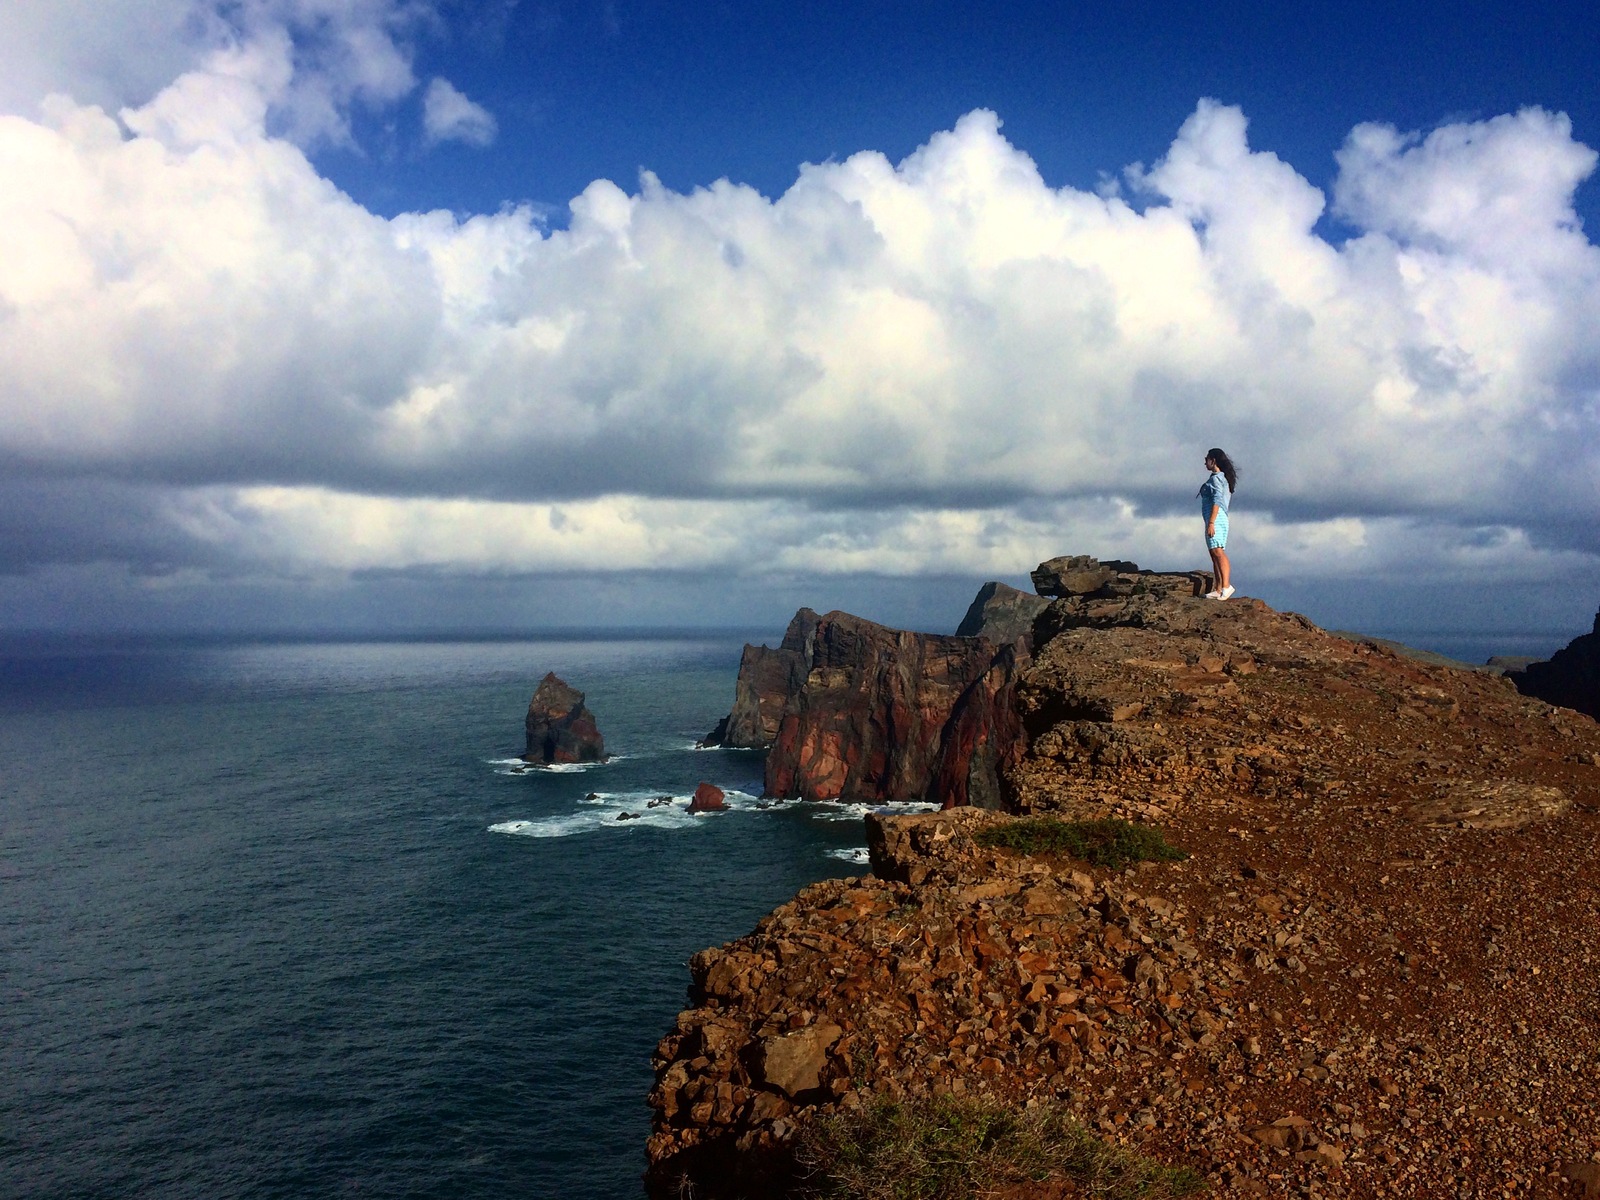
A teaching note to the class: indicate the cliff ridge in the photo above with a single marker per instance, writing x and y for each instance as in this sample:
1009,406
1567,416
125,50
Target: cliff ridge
1375,973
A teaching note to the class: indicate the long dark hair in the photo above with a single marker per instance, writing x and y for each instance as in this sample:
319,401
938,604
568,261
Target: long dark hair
1225,465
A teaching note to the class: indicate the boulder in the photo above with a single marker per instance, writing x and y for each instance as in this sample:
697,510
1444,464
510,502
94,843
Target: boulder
560,729
767,678
1081,575
1570,678
792,1063
1001,613
707,798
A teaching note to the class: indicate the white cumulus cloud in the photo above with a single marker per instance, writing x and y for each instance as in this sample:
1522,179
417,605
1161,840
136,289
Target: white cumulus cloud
936,365
330,54
448,116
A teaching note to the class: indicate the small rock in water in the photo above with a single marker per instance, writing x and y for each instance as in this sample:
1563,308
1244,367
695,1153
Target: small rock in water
659,802
707,798
627,816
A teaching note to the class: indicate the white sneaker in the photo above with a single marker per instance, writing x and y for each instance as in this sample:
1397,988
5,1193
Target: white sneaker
1213,595
1226,592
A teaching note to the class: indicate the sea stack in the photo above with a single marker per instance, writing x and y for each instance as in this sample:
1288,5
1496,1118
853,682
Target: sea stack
560,728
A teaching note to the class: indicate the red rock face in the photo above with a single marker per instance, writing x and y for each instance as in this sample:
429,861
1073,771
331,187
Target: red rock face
874,718
560,729
984,738
856,710
707,798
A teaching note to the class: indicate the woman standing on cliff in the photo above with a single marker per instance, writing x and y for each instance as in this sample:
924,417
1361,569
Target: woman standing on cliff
1214,495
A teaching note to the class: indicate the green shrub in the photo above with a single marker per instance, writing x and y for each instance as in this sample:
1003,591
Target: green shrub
947,1148
1108,843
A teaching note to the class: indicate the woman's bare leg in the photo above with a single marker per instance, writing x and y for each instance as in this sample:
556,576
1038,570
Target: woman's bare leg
1219,560
1216,569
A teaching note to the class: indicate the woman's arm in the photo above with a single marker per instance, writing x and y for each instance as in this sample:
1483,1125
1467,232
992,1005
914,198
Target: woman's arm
1211,521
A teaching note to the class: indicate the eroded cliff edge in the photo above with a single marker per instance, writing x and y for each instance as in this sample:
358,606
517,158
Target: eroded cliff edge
847,707
1376,974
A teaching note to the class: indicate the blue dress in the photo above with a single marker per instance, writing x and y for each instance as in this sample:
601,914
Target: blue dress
1214,493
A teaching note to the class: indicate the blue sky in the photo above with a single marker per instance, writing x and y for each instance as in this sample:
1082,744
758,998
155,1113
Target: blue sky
397,314
750,91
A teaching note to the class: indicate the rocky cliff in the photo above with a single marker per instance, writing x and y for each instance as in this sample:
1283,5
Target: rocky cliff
1571,677
1002,614
885,714
853,709
1378,972
767,678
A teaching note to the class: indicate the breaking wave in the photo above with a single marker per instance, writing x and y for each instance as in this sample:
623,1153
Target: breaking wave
600,811
515,766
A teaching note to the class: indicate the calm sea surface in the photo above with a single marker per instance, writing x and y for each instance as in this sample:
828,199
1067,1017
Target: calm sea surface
286,920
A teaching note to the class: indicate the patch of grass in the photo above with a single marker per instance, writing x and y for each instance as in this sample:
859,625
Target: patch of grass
949,1148
1108,843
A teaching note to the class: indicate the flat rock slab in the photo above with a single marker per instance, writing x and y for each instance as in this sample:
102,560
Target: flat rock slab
1501,805
793,1062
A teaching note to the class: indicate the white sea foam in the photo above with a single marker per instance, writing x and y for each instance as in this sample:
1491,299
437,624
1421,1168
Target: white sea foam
515,766
510,827
630,810
833,810
626,810
850,854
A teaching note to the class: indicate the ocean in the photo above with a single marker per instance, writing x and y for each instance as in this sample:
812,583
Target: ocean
291,920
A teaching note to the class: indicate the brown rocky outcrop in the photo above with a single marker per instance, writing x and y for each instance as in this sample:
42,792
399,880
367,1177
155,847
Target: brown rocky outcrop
1081,575
1378,972
1571,676
708,797
854,709
767,678
886,714
1002,614
560,729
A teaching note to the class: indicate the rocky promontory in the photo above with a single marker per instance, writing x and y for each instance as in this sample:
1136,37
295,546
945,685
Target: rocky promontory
1002,614
1376,973
560,728
1571,676
850,708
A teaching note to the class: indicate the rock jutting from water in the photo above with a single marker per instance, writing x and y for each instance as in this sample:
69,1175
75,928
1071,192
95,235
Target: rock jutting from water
708,797
560,728
887,715
1385,941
